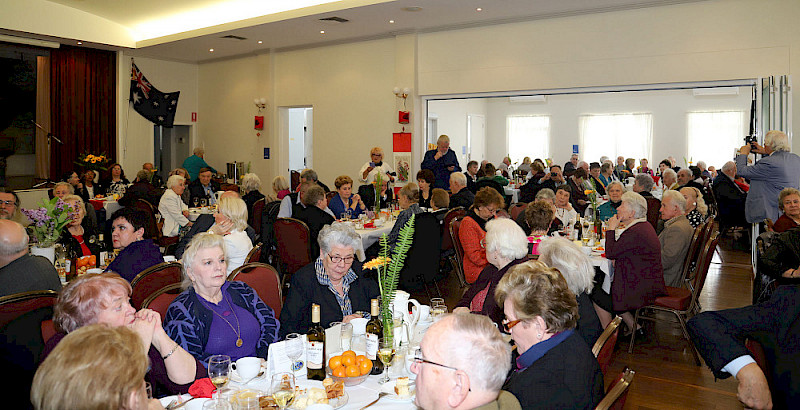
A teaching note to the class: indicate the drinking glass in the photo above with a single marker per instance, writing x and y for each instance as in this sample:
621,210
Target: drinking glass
203,202
438,311
344,216
149,389
294,348
386,354
437,302
219,367
217,404
283,389
347,335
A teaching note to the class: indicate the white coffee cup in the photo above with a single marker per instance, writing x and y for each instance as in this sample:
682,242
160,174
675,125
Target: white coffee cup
424,313
247,367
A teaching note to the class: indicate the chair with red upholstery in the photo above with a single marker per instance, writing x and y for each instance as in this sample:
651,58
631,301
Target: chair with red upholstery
153,279
255,215
681,302
15,305
694,251
254,255
604,346
160,300
264,279
653,208
447,241
617,392
152,228
294,246
48,329
517,209
458,259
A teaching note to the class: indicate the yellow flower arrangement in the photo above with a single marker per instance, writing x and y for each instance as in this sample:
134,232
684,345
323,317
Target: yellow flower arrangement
93,162
377,262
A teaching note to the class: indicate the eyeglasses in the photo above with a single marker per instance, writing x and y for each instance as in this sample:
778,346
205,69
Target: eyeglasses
337,259
5,203
419,360
507,325
483,243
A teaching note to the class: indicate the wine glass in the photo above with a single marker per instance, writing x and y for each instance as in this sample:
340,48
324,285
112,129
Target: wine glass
283,389
219,367
203,202
294,348
196,201
346,335
386,354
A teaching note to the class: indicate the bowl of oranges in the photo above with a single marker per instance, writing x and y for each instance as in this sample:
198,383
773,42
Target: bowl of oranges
349,368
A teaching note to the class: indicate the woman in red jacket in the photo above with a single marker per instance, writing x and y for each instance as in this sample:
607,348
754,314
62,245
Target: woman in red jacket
473,230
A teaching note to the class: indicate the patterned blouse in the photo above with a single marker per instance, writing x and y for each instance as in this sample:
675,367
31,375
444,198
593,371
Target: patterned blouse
695,218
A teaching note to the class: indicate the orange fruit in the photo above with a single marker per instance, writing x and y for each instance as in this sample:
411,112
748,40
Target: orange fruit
336,361
365,366
352,371
93,260
361,358
340,371
348,360
349,353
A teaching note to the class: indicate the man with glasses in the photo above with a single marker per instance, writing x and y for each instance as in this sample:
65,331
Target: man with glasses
9,204
462,364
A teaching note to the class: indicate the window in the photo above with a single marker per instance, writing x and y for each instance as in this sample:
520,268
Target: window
528,136
713,135
613,135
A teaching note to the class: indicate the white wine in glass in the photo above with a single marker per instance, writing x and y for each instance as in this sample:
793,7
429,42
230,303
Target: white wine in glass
283,389
386,355
219,367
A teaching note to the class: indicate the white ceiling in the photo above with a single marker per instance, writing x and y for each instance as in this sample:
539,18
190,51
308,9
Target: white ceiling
368,19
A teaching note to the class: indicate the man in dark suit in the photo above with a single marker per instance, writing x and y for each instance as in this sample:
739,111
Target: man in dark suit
471,175
141,189
461,195
315,215
203,187
776,325
442,161
730,198
553,179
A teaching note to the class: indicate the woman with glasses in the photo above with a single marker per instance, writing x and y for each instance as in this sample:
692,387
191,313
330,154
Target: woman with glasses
214,316
334,281
555,368
375,166
473,231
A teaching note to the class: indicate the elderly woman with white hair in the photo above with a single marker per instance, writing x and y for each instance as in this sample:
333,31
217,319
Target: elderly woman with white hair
633,245
506,246
696,208
334,281
578,271
669,180
374,167
251,189
172,208
777,169
230,221
555,368
214,316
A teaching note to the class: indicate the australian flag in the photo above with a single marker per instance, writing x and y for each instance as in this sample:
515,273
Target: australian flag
152,104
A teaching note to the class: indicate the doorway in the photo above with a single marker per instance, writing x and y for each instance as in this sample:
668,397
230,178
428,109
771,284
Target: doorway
300,132
170,148
476,138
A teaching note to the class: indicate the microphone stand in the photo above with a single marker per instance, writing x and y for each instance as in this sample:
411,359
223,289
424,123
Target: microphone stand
49,135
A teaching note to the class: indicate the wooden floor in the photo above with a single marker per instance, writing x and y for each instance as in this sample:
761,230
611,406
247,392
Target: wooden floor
666,375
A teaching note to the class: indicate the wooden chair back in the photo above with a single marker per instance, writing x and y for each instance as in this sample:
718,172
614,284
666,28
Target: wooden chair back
264,279
447,241
604,346
151,230
694,251
294,244
15,305
153,279
458,262
255,254
160,300
517,209
256,214
617,392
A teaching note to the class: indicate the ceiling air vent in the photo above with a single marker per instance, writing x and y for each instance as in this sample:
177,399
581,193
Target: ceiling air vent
336,19
233,37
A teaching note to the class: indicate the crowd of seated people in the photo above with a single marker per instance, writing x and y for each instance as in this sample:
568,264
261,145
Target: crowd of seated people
552,337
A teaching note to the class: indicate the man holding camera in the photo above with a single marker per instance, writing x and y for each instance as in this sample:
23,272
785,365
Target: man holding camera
777,169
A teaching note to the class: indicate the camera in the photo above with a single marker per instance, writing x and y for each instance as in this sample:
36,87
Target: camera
752,140
554,174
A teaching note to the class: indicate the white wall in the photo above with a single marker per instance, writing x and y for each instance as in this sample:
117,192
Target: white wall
453,122
135,139
669,109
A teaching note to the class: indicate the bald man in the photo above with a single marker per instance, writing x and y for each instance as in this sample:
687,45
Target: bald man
19,271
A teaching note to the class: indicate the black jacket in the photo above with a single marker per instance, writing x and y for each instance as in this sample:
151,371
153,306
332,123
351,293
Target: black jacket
566,377
305,290
463,198
196,190
141,190
775,324
730,201
471,185
367,194
315,218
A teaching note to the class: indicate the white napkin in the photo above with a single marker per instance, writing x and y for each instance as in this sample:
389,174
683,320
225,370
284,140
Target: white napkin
333,340
278,361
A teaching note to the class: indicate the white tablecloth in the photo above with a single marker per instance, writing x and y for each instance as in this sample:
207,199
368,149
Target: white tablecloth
607,267
371,236
514,192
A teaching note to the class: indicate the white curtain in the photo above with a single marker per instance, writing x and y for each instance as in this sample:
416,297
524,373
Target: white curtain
629,135
713,136
528,136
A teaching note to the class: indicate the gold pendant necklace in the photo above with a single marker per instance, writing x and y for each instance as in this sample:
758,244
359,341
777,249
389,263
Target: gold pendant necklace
237,330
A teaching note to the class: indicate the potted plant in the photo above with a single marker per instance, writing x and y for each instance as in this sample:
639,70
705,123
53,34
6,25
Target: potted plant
47,223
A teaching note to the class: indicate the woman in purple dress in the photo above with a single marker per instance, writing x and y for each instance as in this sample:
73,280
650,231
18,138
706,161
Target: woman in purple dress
633,246
214,316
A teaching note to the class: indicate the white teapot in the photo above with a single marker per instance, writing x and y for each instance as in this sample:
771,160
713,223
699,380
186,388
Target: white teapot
410,318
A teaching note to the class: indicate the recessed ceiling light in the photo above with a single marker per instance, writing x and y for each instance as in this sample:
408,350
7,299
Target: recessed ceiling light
479,9
412,8
260,42
391,21
80,42
322,32
210,50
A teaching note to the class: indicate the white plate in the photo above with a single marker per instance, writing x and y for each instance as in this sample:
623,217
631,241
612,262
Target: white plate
389,388
238,379
196,404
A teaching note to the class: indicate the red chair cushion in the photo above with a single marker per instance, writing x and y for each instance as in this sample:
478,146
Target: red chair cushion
161,303
677,298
